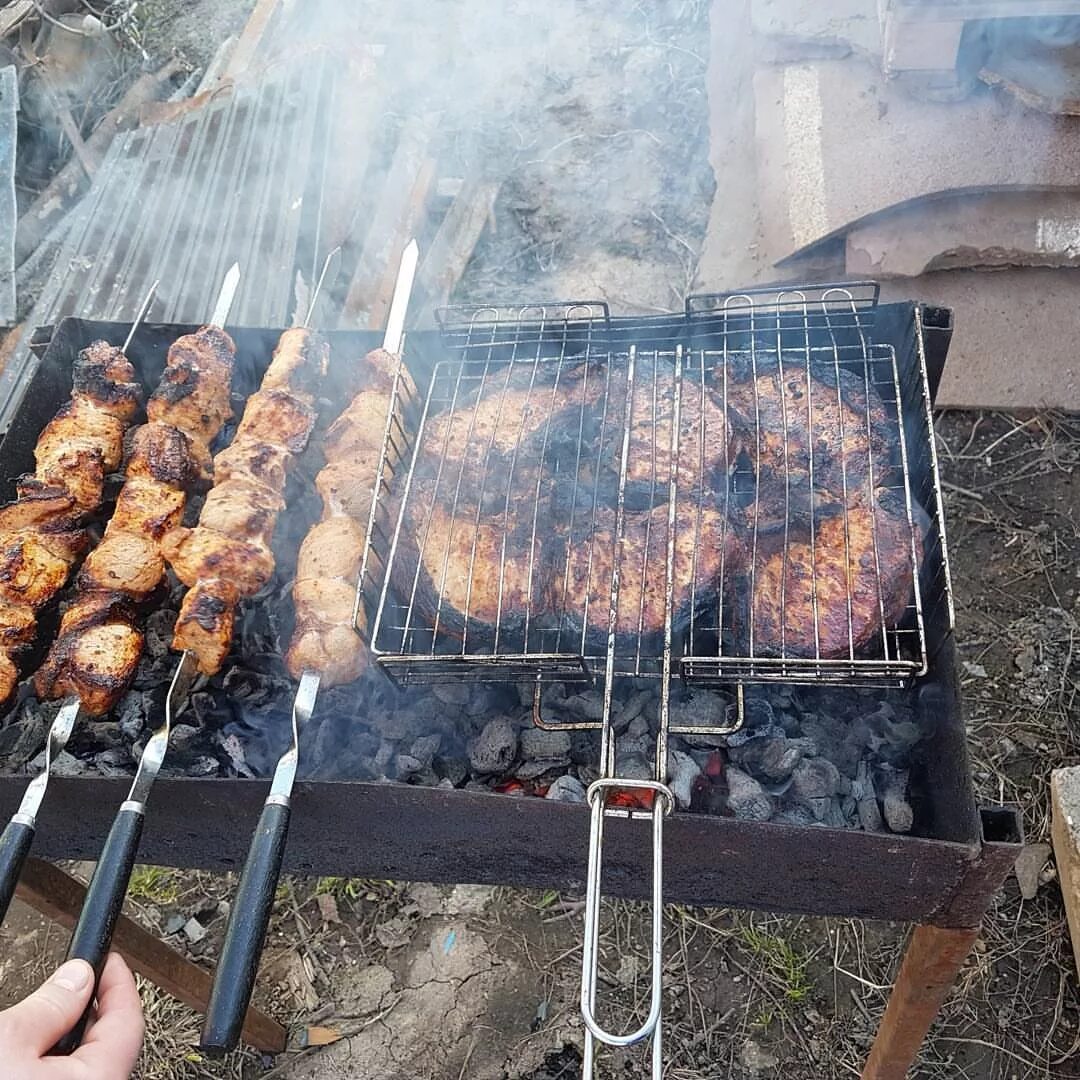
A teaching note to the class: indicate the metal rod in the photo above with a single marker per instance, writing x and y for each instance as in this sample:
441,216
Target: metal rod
144,307
330,255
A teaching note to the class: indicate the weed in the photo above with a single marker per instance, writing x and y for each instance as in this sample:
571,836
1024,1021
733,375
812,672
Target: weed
780,961
154,885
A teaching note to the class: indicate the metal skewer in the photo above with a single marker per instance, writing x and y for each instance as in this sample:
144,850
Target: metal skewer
18,834
249,917
92,936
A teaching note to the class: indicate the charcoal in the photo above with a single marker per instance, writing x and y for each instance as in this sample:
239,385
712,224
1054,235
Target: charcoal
453,693
425,748
385,754
588,705
454,769
899,815
64,764
566,789
131,714
683,770
203,766
531,768
633,767
159,631
234,748
633,707
181,738
635,745
401,724
757,713
488,701
638,726
701,710
865,797
203,707
815,778
553,746
495,747
796,813
25,735
746,799
582,747
773,758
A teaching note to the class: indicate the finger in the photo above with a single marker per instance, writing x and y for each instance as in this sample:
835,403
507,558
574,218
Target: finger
112,1044
36,1022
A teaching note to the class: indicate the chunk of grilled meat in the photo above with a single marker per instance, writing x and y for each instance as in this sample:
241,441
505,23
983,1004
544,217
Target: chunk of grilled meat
299,362
104,375
77,448
32,572
242,508
324,639
251,459
95,655
278,415
97,650
490,571
825,428
193,394
346,486
165,454
206,622
708,555
39,504
227,556
830,595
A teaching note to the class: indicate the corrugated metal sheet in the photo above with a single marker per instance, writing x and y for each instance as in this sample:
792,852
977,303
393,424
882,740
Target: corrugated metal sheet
242,179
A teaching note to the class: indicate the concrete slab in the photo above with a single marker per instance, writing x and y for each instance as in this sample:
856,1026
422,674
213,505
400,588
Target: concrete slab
1019,228
1014,344
836,143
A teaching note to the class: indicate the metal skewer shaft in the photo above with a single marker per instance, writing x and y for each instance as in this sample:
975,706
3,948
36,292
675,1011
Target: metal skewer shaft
249,917
92,936
18,834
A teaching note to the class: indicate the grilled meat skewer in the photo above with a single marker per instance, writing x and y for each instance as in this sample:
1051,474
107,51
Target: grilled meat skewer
227,555
41,535
99,643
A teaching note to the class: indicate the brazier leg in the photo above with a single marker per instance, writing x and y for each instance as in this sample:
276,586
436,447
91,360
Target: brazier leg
59,896
932,961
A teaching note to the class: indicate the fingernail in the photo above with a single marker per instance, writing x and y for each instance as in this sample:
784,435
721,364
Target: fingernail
74,975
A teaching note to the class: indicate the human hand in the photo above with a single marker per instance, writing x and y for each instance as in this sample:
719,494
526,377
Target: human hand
113,1038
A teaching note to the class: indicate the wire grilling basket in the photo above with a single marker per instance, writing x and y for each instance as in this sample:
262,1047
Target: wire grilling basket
748,459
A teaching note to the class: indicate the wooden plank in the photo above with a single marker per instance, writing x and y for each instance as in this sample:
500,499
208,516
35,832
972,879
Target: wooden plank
454,243
1065,837
398,213
932,961
59,896
251,37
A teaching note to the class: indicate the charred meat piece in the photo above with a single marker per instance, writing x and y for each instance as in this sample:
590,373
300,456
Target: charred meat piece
97,665
165,454
817,437
127,562
832,593
31,571
104,375
206,621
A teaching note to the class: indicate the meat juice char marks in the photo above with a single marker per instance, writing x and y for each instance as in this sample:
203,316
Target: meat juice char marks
99,643
325,638
824,524
41,533
227,556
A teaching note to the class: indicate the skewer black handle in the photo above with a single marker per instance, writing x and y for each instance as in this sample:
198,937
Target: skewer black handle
93,932
246,932
15,843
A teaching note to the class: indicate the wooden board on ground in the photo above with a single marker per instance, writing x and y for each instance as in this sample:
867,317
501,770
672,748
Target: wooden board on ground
1065,834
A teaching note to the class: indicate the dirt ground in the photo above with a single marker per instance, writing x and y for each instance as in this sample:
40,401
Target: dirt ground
446,983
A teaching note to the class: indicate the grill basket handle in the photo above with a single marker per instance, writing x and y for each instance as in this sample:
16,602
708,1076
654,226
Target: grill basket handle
93,933
15,844
663,804
246,931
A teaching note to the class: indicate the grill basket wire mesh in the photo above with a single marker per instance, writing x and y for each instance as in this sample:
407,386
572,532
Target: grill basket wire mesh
535,490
